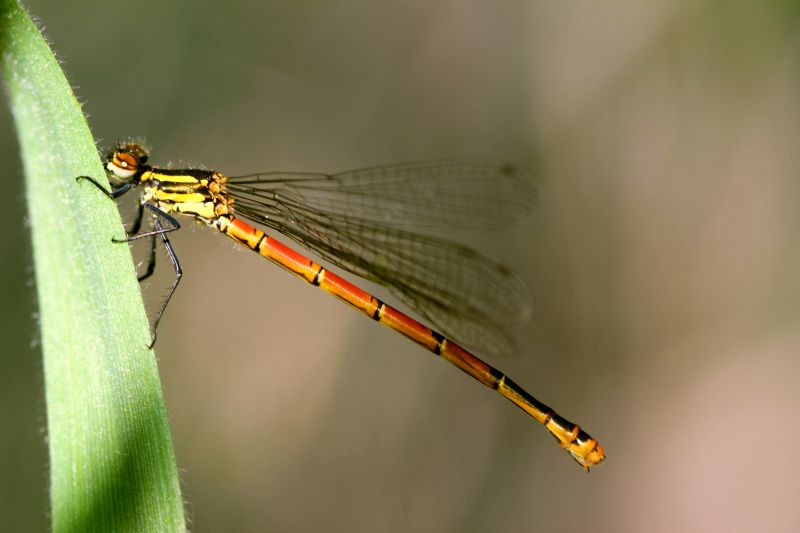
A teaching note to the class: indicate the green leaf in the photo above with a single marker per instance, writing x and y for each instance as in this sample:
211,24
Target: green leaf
111,456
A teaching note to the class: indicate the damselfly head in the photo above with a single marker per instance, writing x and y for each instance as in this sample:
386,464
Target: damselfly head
126,160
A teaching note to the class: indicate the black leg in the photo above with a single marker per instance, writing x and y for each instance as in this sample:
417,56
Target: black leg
151,261
160,230
137,222
133,235
113,194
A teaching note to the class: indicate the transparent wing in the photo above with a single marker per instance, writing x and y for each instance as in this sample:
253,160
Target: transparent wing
467,296
444,193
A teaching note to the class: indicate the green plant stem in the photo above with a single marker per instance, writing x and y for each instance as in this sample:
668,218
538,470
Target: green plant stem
111,456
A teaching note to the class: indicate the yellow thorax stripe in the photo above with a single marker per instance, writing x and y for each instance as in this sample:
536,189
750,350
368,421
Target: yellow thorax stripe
171,178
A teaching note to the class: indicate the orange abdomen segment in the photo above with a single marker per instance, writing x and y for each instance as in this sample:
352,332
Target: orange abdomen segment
582,447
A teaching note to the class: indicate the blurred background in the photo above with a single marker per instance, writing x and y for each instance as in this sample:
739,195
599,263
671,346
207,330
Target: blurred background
663,259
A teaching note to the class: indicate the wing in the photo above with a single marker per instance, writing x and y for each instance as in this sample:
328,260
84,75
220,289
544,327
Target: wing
444,193
363,222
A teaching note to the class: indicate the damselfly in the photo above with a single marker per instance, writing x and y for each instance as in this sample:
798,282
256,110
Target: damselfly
368,222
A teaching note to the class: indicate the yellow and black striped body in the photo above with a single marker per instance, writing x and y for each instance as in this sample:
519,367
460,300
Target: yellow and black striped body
202,195
197,193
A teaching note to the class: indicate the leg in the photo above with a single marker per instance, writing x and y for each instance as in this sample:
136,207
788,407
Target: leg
114,193
160,230
137,222
151,261
133,235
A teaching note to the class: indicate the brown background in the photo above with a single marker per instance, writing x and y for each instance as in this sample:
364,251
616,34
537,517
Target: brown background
664,260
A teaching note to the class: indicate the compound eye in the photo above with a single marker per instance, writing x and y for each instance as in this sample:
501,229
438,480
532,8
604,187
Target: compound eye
123,165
